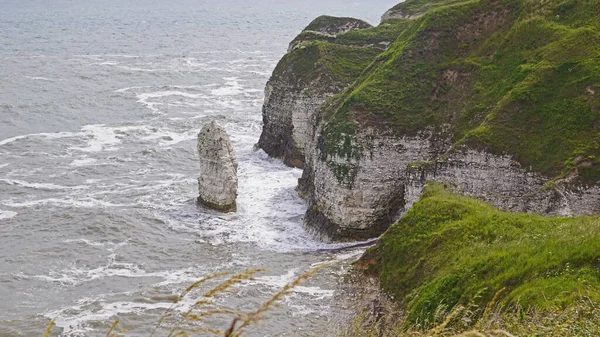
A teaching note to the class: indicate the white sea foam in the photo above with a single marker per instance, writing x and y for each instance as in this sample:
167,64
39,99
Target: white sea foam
131,88
40,186
55,135
159,94
146,70
232,87
39,78
83,162
74,319
83,203
4,165
153,99
279,281
127,56
4,215
104,138
168,138
106,63
109,244
86,241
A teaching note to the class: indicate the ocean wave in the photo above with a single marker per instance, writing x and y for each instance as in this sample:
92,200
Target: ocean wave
39,78
41,186
279,281
105,138
168,138
232,89
5,215
74,320
55,135
146,70
83,162
83,203
110,244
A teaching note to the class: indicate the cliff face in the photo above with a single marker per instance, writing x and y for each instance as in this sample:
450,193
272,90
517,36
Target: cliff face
318,65
496,97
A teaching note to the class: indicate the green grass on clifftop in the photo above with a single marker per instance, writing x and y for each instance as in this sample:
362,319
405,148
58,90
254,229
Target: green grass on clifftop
454,250
341,63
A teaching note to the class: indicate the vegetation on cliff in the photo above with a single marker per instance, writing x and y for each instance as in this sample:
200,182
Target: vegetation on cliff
451,250
514,77
379,37
343,57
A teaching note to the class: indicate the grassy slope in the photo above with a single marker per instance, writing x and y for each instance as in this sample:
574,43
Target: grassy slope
342,63
450,249
510,76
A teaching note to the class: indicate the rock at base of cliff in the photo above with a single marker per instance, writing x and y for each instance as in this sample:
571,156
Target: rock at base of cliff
217,184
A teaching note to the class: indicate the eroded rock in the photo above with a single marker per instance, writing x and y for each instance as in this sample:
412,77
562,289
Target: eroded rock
217,184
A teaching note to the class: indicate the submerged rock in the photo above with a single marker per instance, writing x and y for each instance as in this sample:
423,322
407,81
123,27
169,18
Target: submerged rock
217,184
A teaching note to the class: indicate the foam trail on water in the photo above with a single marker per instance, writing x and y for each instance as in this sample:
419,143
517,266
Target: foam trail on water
83,162
39,78
5,215
232,87
39,135
41,186
83,203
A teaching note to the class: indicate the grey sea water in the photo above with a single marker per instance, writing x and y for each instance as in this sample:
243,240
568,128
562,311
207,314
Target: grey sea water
100,104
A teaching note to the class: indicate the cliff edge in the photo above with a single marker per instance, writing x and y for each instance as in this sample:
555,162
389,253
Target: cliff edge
497,97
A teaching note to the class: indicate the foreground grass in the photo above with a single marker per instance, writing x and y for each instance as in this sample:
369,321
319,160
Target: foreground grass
582,318
195,320
453,253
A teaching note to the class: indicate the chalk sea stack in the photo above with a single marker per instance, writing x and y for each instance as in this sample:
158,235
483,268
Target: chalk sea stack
217,184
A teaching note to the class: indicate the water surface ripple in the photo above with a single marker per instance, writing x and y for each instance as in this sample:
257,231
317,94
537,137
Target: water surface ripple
100,105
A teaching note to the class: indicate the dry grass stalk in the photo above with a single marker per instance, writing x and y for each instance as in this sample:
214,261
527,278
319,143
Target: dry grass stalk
49,328
181,296
442,327
236,330
112,327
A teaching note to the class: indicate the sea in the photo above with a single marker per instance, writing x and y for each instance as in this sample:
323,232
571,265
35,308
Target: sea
101,102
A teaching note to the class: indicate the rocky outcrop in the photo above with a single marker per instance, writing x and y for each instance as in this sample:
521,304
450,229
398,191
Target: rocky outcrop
289,117
400,13
302,81
217,184
502,181
327,28
330,25
357,195
447,102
